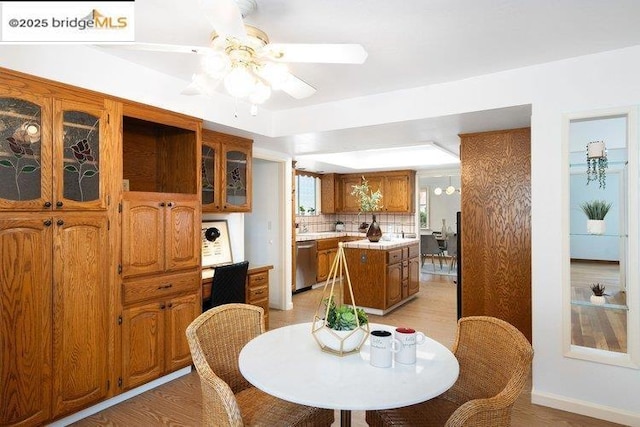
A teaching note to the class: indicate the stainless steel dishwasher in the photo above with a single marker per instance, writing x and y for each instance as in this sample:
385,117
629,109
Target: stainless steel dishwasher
305,264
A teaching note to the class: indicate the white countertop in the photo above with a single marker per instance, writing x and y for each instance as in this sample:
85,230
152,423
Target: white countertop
382,244
300,237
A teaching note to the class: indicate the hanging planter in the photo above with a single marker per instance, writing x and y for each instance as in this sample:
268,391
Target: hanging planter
597,163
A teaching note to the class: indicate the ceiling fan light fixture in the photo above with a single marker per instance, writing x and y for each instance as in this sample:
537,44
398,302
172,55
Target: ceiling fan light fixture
239,82
437,191
261,92
216,64
274,73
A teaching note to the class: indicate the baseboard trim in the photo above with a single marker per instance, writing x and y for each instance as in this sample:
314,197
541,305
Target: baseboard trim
588,409
119,398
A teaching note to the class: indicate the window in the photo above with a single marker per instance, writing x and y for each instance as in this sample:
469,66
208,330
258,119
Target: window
307,194
423,207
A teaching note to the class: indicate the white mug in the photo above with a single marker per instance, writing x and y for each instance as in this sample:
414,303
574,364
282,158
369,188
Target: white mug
382,347
409,338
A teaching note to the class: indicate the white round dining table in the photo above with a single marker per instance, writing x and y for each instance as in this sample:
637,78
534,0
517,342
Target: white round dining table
288,363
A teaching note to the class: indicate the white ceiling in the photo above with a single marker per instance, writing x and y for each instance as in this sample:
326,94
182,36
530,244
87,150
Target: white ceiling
410,43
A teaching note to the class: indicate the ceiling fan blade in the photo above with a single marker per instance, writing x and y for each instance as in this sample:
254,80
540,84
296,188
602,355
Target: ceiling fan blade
325,53
296,88
158,47
225,16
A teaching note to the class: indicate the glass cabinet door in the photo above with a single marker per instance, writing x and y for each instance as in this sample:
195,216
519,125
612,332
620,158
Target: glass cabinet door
210,177
237,172
80,139
25,153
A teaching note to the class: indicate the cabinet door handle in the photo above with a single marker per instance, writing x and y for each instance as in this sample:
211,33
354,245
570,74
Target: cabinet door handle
259,292
47,222
47,204
170,204
162,204
170,304
59,204
60,222
165,286
162,306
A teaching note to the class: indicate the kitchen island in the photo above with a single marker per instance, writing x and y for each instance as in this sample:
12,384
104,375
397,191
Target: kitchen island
384,275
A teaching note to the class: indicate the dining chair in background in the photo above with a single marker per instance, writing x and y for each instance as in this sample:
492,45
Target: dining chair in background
215,340
429,248
452,250
495,362
228,285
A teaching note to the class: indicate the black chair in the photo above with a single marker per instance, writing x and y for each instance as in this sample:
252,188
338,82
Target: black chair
228,285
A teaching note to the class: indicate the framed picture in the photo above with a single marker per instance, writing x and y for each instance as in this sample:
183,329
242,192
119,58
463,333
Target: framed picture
216,246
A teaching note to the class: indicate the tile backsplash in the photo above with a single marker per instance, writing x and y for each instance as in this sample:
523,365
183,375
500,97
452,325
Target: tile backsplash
389,222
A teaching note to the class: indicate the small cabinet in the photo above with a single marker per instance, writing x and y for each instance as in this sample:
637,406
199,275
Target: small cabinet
160,233
226,173
257,289
53,152
153,330
327,249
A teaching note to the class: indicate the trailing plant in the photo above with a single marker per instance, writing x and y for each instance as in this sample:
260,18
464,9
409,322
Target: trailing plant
369,200
598,290
596,167
343,317
595,209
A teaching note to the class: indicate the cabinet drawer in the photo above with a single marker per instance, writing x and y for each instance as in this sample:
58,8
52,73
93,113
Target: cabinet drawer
394,256
258,279
257,294
414,251
323,244
159,286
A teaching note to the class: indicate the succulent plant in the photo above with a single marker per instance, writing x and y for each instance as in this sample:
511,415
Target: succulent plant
598,290
343,317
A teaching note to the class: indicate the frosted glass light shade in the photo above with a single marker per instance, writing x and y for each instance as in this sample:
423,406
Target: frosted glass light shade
239,82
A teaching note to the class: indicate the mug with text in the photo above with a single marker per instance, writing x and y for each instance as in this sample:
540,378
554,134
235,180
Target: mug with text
383,345
409,338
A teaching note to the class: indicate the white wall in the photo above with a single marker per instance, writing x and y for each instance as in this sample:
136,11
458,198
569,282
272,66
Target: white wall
580,84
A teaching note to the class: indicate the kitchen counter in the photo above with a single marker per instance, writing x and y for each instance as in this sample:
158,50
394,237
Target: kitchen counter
382,244
301,237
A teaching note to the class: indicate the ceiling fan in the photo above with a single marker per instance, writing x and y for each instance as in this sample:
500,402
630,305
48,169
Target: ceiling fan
242,59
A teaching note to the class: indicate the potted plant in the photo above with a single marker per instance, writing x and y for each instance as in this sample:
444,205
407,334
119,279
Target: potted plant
339,226
369,201
311,211
301,210
595,210
597,163
598,294
341,331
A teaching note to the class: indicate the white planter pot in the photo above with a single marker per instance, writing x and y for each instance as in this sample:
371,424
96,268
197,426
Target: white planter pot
596,149
339,341
596,226
597,300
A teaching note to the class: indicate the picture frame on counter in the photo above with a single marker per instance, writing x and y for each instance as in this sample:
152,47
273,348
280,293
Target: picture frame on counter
216,243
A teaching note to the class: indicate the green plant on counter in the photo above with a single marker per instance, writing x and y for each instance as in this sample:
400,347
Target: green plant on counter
368,200
595,209
301,210
598,290
343,318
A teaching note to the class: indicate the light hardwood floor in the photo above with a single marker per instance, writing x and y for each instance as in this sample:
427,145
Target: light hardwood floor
178,403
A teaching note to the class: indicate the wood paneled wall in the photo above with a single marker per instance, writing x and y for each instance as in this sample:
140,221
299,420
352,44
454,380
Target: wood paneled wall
496,226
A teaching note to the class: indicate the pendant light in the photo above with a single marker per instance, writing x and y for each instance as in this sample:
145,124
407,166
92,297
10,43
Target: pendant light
450,189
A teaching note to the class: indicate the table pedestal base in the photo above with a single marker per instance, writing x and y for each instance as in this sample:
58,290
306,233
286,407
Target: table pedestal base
345,418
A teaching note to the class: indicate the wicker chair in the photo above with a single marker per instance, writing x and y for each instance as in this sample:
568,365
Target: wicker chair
495,361
215,340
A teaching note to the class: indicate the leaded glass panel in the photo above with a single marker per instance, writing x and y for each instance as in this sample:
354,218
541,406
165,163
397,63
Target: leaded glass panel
81,156
20,144
236,178
208,177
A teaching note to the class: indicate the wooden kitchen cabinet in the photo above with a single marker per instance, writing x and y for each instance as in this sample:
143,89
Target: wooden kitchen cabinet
329,193
62,365
397,188
54,151
383,279
257,289
327,249
226,173
160,232
154,340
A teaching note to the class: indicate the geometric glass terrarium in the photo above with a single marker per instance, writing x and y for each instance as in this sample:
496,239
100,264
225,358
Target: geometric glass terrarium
339,328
